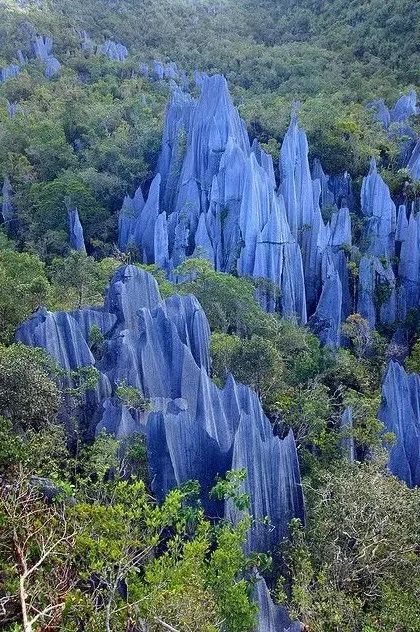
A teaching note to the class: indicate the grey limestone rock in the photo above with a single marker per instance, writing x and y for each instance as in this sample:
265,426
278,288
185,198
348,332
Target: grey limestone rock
115,51
77,240
195,430
380,215
400,414
271,618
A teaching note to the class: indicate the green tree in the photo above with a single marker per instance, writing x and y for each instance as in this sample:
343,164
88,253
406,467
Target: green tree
359,551
23,287
29,398
78,279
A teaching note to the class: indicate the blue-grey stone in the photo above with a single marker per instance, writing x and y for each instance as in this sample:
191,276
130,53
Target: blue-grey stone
379,214
115,51
195,430
131,290
60,335
117,420
13,109
409,262
271,618
404,107
414,162
42,47
77,240
9,72
346,428
158,70
400,414
326,321
377,301
129,213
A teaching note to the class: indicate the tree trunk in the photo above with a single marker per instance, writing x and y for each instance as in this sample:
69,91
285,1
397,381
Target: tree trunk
27,626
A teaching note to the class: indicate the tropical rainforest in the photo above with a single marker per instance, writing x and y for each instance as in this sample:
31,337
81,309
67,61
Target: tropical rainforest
209,316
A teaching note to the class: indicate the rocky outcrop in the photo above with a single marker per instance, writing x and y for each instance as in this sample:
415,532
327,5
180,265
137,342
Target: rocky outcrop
379,212
346,430
414,162
194,430
215,196
400,414
272,618
77,240
115,51
9,72
42,48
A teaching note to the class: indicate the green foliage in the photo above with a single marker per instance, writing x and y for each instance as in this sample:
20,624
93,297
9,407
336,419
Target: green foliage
80,280
413,361
28,396
96,337
130,396
228,488
254,361
71,558
228,301
23,287
358,554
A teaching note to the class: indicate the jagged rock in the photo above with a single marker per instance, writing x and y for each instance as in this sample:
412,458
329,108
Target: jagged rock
327,196
87,317
158,70
175,133
118,420
195,430
404,107
131,290
414,162
87,44
402,225
21,57
170,71
340,228
377,301
129,213
399,113
143,226
341,187
335,190
271,618
114,50
264,159
144,69
13,109
59,334
296,182
409,264
199,78
380,215
42,47
77,240
347,440
400,414
278,259
326,321
192,326
52,66
382,114
9,72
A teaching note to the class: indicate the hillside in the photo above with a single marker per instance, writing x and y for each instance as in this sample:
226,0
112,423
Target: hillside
209,316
